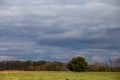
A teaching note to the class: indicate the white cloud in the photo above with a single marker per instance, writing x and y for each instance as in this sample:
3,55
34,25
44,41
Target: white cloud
2,58
10,47
3,49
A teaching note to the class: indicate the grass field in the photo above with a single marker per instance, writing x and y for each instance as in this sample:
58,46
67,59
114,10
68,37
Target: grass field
45,75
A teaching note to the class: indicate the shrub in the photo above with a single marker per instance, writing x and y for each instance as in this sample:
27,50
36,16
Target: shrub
77,64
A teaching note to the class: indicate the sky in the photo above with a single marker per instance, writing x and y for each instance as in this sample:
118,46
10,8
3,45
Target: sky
58,30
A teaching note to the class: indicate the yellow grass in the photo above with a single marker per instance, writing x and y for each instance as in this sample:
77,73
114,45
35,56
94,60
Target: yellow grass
58,75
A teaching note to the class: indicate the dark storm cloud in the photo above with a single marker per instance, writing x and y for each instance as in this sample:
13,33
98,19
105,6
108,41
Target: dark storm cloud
37,29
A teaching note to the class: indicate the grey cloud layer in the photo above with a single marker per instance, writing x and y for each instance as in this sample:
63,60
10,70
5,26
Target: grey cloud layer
37,29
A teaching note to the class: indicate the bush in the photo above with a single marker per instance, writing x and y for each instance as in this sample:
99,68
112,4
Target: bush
78,64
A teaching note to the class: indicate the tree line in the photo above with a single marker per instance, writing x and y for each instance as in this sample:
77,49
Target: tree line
108,66
32,65
76,64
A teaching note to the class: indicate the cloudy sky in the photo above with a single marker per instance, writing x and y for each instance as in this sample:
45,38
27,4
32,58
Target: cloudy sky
59,29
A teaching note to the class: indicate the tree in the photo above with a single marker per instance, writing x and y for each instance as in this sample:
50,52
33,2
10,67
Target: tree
98,66
77,64
54,66
114,65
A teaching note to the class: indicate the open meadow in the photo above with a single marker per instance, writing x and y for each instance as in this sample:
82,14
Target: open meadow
58,75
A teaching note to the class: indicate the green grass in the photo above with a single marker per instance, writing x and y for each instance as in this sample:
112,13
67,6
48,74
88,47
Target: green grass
45,75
